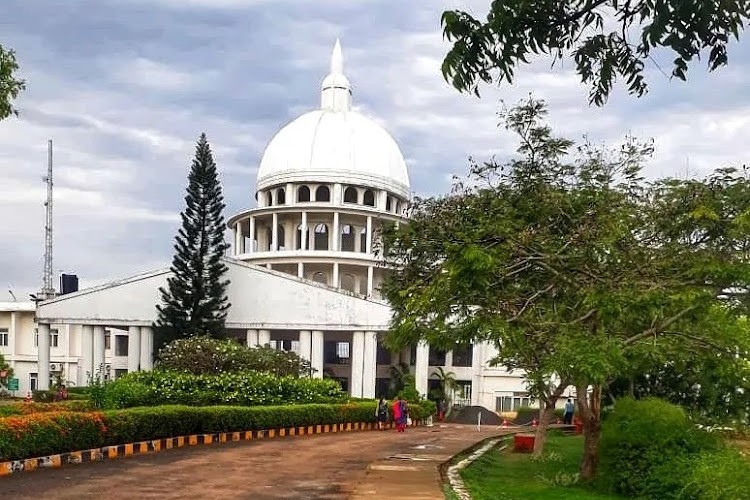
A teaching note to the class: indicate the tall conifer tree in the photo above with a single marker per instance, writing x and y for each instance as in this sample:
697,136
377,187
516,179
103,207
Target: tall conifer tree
194,301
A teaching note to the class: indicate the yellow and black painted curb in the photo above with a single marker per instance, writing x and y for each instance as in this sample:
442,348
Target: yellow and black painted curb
157,445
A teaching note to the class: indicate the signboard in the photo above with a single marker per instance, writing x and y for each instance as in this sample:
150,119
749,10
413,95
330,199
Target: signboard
12,384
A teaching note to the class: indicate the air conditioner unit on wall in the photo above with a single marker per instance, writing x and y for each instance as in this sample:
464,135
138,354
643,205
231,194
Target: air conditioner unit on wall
55,367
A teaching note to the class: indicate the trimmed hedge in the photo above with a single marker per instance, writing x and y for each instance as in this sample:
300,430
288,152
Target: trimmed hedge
15,409
525,414
49,433
241,389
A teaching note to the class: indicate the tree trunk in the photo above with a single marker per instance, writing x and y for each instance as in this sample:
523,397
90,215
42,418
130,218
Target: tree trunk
545,417
590,414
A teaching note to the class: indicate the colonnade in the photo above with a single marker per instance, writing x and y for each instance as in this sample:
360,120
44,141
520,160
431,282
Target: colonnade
92,360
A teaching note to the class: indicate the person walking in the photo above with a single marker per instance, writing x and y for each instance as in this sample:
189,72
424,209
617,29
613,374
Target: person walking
397,413
441,407
569,410
381,413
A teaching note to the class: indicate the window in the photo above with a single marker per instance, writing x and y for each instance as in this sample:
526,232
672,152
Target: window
462,393
437,357
350,195
107,340
369,198
348,283
462,354
121,347
269,199
347,238
363,240
280,197
269,238
322,194
336,353
285,345
382,387
281,238
303,193
33,381
383,356
321,237
54,337
388,204
3,337
36,337
300,239
512,403
413,355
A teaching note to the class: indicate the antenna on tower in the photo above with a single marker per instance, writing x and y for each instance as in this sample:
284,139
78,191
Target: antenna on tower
48,287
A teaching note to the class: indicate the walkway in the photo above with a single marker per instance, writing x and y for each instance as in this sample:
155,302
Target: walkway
327,466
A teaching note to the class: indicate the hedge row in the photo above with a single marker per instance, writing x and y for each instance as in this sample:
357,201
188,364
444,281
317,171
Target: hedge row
242,389
24,408
58,432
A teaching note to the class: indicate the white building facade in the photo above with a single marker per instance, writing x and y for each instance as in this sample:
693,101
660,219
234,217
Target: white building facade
304,271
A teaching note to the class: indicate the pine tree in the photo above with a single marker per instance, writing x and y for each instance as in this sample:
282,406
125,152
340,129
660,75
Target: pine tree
194,301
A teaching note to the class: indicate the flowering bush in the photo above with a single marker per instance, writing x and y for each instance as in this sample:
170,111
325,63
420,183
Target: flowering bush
204,355
240,388
58,432
15,409
48,433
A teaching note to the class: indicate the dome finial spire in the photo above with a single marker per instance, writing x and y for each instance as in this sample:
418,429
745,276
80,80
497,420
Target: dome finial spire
336,92
337,60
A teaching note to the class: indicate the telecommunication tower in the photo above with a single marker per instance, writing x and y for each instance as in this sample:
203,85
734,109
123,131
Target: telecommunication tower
48,287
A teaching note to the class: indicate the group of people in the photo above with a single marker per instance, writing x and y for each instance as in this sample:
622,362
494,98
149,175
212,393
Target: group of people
400,411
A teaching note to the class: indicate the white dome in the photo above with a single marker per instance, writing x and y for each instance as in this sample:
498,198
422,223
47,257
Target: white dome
334,144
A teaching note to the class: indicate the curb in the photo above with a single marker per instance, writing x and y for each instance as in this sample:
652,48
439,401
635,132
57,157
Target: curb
158,445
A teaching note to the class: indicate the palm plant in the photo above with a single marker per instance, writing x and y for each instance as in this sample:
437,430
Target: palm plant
400,377
447,382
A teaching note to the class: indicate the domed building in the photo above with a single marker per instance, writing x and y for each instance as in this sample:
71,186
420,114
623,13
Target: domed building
303,275
326,182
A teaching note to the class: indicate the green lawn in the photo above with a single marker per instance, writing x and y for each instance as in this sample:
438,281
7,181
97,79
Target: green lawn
507,475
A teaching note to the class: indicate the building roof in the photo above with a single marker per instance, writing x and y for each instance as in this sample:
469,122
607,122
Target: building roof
335,144
17,307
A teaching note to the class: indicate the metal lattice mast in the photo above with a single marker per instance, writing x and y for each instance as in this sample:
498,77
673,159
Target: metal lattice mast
48,288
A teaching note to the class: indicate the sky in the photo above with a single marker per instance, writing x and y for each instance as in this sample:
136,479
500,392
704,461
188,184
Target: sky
125,87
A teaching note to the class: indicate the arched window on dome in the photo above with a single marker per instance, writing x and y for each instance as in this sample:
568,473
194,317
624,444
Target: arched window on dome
363,240
321,237
281,197
388,204
350,195
303,194
322,194
369,198
347,238
320,277
300,239
269,238
269,199
348,283
281,235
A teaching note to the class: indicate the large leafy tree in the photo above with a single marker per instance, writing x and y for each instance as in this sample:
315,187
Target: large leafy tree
195,301
609,40
10,84
569,263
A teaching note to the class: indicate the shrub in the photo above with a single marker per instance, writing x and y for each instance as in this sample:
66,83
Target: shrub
525,414
719,475
204,355
44,396
48,433
15,409
42,434
647,447
242,389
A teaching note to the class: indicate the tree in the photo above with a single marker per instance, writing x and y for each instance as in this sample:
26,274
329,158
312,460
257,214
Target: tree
570,264
608,39
10,85
447,382
195,301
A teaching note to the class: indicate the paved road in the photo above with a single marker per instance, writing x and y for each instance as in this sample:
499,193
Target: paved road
327,466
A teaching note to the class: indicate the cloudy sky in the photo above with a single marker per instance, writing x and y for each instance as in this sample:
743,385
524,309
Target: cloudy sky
124,87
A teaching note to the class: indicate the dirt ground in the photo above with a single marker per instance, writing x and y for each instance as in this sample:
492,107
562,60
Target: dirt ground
327,466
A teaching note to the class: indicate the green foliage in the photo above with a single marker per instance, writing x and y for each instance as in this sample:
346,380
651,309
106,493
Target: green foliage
410,394
10,84
401,377
204,355
647,448
525,414
600,36
237,388
194,301
24,408
48,433
719,475
44,396
447,383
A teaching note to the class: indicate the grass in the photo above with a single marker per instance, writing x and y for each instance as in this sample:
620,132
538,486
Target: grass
506,475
